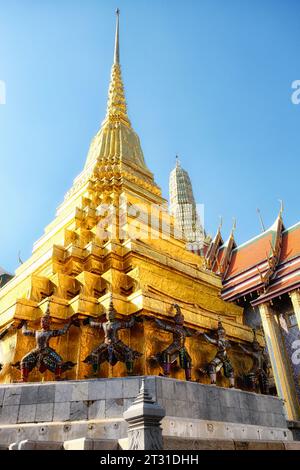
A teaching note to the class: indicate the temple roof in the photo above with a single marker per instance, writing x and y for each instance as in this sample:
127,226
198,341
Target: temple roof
290,243
254,252
214,251
287,274
267,265
219,252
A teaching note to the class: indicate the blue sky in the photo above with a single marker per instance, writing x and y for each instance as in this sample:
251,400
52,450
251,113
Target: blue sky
209,80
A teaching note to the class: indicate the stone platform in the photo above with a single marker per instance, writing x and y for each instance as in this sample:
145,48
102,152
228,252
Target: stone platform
60,412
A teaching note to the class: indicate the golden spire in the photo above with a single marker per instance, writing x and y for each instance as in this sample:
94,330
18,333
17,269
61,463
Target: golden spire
116,105
116,141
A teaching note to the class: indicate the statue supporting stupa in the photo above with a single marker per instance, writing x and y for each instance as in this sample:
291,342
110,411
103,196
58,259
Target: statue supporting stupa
112,349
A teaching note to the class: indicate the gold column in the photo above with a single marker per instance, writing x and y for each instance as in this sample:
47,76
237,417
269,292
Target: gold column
280,362
295,298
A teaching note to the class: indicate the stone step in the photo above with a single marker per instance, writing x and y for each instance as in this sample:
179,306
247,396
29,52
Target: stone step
73,444
91,444
180,443
36,445
169,443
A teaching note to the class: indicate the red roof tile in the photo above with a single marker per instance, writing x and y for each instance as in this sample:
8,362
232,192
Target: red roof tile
290,243
250,254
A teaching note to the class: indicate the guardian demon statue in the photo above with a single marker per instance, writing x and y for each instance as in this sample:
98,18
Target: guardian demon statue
43,356
112,349
258,376
177,347
221,359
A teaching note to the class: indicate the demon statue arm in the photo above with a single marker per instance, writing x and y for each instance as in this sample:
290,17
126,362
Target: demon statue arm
209,339
129,323
61,331
26,331
267,362
189,332
247,351
4,333
164,326
95,324
92,323
9,328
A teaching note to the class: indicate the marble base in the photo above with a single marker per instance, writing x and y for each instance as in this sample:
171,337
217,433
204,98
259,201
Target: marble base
93,409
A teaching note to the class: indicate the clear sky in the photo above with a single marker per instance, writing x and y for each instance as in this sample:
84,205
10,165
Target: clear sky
209,80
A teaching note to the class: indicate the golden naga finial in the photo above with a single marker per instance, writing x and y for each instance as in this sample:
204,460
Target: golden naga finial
263,228
19,257
262,279
233,226
272,249
221,223
281,208
219,266
117,46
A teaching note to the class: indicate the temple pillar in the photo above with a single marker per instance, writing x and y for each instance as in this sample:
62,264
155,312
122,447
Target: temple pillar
295,298
280,362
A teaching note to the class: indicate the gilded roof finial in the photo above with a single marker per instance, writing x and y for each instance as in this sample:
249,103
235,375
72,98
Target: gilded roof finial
117,47
263,228
177,161
233,225
281,208
221,223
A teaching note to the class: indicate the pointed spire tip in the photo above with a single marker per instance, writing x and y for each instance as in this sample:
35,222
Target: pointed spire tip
117,47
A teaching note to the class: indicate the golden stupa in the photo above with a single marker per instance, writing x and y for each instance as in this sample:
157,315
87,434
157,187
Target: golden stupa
113,236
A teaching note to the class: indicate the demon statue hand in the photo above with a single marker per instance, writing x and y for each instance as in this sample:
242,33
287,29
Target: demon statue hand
221,359
258,376
112,349
42,356
177,348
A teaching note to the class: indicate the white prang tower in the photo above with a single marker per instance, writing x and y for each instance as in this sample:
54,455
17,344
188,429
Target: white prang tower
184,210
